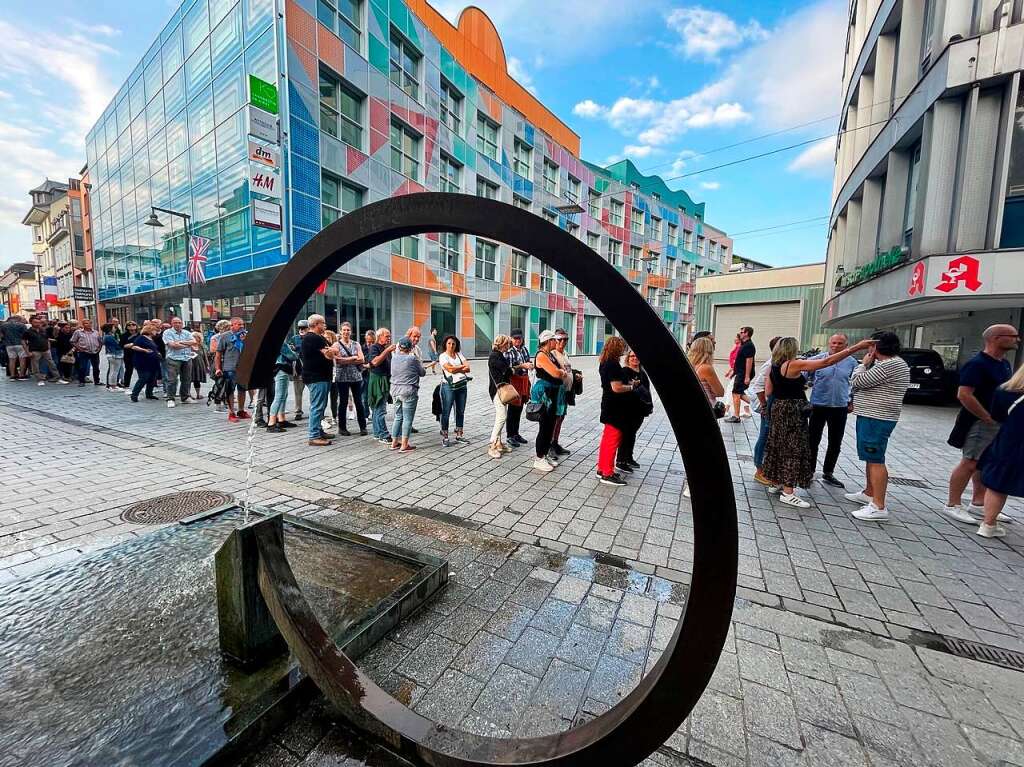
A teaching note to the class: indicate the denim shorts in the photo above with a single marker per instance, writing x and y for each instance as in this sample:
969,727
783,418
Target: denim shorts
873,438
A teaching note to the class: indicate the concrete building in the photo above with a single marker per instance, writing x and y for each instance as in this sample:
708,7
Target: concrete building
263,127
781,301
19,290
927,223
744,264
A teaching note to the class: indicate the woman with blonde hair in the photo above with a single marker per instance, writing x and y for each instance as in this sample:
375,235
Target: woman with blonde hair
788,459
702,356
614,408
500,373
1001,463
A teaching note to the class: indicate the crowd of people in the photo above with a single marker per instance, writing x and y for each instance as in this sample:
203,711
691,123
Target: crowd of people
989,428
344,376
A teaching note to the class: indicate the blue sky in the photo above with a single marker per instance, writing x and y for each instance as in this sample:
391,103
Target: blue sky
668,84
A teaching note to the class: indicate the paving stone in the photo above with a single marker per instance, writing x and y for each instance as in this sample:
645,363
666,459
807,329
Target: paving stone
613,679
425,664
716,720
482,654
447,700
582,646
820,704
562,688
761,665
533,651
554,617
506,696
940,739
770,713
628,641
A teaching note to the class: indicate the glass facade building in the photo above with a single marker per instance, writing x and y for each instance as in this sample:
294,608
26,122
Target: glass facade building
375,98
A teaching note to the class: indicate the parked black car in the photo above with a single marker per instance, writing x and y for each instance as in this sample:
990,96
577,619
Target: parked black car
928,378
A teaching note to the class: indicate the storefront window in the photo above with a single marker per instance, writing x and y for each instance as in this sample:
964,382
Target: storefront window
1013,207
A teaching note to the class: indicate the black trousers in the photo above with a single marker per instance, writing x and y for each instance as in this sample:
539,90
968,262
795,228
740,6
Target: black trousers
339,403
627,443
515,415
546,430
129,368
835,417
264,399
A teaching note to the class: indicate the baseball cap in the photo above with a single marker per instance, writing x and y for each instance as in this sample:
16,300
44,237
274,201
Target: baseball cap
517,333
561,334
303,323
405,343
545,336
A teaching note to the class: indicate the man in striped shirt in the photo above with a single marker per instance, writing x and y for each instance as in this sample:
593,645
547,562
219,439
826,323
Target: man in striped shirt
878,383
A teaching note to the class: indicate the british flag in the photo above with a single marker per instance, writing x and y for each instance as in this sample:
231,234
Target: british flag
197,259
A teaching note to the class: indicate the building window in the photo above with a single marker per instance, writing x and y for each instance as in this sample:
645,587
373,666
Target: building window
522,159
616,213
550,177
448,253
405,65
688,240
911,209
450,174
486,137
635,257
341,111
594,241
520,269
656,230
550,217
636,221
338,198
486,259
572,189
485,188
573,229
614,252
673,234
700,245
673,269
521,202
451,107
343,18
405,150
593,204
652,296
547,278
407,247
518,318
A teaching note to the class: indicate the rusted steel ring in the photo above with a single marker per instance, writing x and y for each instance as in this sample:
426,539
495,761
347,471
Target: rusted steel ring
658,705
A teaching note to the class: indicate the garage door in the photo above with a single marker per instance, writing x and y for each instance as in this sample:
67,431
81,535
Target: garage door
767,320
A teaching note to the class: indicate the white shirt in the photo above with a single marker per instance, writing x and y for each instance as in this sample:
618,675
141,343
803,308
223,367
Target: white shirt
455,361
757,385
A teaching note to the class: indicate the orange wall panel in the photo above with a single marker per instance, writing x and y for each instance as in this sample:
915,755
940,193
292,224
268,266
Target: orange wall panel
421,308
331,49
301,26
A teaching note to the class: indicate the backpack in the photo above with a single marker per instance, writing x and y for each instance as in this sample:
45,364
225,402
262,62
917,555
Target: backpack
219,391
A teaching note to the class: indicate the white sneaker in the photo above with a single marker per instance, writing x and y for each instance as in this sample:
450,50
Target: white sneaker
991,531
41,383
958,514
774,490
858,497
552,459
62,382
541,464
872,513
979,514
686,491
794,500
170,403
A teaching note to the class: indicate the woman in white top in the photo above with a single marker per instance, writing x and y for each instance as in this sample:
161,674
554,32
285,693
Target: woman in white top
454,388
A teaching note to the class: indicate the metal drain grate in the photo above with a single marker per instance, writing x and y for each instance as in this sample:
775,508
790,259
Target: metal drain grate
985,653
908,482
173,507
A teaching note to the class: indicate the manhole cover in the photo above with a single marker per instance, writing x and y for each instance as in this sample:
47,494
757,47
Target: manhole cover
171,508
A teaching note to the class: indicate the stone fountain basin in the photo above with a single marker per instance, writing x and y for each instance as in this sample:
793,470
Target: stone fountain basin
114,659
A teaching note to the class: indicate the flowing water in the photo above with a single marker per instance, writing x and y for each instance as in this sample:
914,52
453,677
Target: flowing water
114,659
250,457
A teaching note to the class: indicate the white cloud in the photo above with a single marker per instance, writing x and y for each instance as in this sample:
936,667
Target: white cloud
589,109
710,185
705,33
104,30
818,159
520,74
679,164
640,151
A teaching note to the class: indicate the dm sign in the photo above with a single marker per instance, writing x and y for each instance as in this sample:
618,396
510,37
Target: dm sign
262,94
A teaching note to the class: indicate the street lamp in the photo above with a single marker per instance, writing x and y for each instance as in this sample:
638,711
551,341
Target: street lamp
154,220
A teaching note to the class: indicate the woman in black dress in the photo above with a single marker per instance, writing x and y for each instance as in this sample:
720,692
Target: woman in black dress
639,407
1001,463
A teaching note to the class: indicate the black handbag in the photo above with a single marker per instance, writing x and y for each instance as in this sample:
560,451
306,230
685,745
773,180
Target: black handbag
577,383
534,411
965,419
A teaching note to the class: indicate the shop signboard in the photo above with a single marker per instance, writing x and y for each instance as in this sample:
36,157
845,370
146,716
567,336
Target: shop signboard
264,181
266,214
262,94
264,125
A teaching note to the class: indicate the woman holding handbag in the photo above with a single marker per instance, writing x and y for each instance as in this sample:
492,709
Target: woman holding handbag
501,391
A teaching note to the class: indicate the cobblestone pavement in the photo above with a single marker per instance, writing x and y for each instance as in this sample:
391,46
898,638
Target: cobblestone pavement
823,665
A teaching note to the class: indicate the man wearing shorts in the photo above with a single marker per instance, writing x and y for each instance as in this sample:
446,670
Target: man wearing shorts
980,376
878,383
742,372
17,357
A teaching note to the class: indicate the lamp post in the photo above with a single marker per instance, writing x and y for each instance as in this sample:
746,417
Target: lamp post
154,220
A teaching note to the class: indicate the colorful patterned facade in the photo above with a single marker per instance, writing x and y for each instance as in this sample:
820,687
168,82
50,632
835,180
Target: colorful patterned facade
399,101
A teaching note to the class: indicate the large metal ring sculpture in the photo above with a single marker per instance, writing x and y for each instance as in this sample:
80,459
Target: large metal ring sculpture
658,705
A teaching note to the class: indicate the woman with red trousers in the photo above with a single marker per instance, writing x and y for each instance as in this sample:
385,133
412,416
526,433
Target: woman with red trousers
615,409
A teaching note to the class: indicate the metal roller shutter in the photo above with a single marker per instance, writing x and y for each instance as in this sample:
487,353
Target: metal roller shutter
767,320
